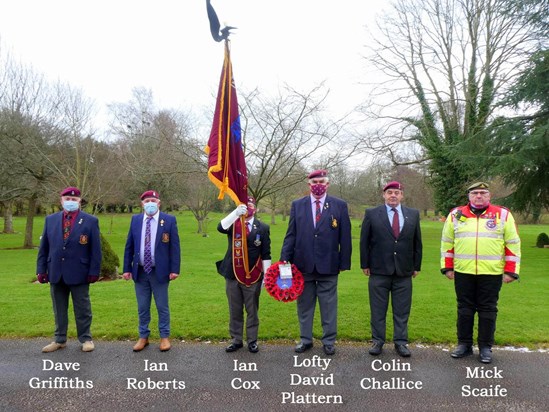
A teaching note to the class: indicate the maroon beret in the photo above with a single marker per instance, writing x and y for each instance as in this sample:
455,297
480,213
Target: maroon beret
393,185
251,199
71,191
318,173
150,193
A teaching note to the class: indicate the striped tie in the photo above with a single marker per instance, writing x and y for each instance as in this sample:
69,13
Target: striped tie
318,212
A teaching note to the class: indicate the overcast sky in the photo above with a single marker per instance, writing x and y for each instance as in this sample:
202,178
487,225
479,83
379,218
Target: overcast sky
108,47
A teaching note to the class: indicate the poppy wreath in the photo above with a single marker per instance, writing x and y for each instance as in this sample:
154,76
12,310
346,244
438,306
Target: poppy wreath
272,285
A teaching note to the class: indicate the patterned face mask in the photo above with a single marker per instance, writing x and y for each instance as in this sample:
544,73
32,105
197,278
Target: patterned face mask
318,189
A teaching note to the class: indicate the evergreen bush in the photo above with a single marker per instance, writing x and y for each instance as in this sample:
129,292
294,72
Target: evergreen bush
543,240
110,261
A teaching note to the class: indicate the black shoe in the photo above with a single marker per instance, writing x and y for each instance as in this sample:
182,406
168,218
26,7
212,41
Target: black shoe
485,355
329,350
302,347
376,349
252,347
233,347
461,351
403,350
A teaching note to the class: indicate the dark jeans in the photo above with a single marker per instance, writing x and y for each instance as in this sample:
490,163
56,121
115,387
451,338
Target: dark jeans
477,294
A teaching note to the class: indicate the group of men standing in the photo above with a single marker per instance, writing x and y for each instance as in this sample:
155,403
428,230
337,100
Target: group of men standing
480,249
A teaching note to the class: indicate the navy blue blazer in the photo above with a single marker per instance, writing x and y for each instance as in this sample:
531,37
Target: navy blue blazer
384,254
167,253
326,247
76,258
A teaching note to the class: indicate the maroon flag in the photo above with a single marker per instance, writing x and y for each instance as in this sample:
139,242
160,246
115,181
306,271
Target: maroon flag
226,164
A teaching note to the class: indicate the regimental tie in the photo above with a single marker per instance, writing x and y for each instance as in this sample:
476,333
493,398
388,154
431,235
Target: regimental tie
147,256
66,227
318,212
396,223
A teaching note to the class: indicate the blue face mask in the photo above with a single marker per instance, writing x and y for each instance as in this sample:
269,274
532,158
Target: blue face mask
70,205
150,208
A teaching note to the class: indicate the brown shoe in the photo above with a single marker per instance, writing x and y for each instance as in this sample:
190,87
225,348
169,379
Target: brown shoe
165,345
141,344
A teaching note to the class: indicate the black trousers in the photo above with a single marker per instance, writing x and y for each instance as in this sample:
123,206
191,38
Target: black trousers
477,294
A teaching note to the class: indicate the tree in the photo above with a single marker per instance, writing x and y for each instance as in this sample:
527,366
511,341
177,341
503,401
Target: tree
285,136
447,65
520,144
27,108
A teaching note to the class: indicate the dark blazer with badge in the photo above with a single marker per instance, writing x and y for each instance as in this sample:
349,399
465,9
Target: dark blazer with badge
259,245
326,246
74,259
167,253
384,254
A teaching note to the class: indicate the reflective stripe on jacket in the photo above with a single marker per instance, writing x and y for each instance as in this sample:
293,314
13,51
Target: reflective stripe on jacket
485,245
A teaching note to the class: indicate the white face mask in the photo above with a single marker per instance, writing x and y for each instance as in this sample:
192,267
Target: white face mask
150,208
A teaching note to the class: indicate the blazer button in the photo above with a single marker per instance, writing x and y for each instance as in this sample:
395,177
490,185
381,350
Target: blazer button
62,259
395,253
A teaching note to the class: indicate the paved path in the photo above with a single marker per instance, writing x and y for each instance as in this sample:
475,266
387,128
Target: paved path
200,377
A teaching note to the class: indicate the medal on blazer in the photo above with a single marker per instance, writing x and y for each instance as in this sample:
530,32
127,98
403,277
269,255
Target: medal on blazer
83,239
165,237
257,240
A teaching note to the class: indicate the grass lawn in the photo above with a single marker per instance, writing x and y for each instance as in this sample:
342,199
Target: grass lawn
199,306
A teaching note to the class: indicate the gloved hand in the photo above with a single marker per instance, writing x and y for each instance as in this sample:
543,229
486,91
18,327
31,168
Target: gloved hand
241,210
92,279
232,217
266,265
42,277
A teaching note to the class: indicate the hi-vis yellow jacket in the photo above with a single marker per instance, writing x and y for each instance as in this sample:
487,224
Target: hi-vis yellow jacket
485,245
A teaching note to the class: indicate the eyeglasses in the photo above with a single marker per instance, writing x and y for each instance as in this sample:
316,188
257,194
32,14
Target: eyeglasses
479,192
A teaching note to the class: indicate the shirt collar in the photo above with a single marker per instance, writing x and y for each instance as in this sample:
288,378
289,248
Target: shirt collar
154,217
314,199
398,208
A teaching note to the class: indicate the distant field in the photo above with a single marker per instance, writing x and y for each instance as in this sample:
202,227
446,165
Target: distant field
199,305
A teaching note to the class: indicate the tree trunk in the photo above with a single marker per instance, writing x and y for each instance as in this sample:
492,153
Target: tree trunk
8,217
30,220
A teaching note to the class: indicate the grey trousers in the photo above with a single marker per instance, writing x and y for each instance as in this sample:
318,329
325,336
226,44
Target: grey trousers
324,289
82,310
240,297
400,289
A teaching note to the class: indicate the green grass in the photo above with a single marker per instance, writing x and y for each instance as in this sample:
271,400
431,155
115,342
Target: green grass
199,305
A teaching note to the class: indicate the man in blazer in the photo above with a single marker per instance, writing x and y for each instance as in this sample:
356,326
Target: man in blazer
152,257
242,292
390,254
69,258
318,242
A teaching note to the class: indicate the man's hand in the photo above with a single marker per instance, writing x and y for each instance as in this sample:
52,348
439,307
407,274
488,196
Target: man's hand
241,210
508,278
415,273
174,276
42,277
92,278
366,271
127,275
449,274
